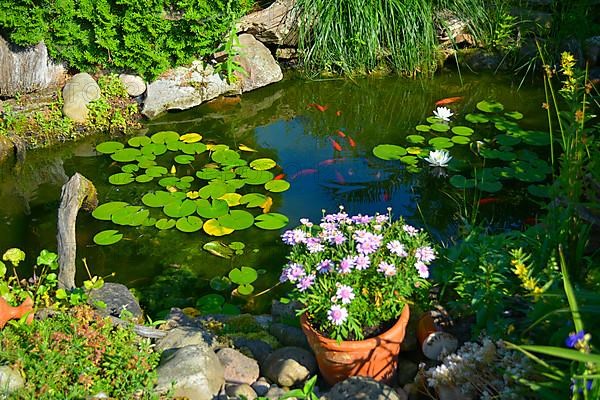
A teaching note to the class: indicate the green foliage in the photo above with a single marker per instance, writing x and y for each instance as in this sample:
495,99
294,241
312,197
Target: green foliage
113,111
76,353
143,37
231,48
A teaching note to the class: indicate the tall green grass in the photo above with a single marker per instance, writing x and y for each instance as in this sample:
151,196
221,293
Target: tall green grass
358,36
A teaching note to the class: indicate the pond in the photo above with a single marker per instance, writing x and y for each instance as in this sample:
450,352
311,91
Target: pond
321,135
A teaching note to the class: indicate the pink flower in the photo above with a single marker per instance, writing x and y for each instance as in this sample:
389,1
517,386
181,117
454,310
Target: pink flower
337,314
344,293
422,268
425,254
387,268
397,248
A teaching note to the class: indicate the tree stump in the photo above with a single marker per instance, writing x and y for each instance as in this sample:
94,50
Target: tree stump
78,192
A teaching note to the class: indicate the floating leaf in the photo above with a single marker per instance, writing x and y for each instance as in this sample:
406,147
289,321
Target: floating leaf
213,190
107,237
243,147
220,283
438,127
156,171
130,168
156,149
210,303
124,216
191,138
415,139
139,141
271,221
539,190
414,150
423,128
257,177
218,249
192,148
460,182
243,276
232,199
213,173
536,138
460,139
490,106
489,186
253,199
234,184
157,199
105,211
146,163
237,219
225,157
109,147
514,115
178,209
507,140
165,223
184,159
462,130
262,164
277,186
237,245
410,160
213,228
476,118
126,155
441,143
189,224
245,289
389,151
122,178
215,209
165,137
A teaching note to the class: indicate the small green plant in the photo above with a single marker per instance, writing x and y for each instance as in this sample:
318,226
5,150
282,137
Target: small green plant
114,111
231,47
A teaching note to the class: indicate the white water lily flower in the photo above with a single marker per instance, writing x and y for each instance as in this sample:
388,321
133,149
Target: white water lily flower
438,158
443,113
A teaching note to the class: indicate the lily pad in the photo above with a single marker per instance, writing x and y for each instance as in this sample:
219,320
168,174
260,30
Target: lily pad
139,141
415,139
107,237
218,249
462,130
210,303
423,128
126,155
213,190
232,199
490,106
389,151
441,143
514,115
157,199
253,199
191,138
146,163
225,157
489,186
414,150
130,168
271,221
460,182
105,211
438,127
253,177
192,148
129,216
165,137
122,178
476,118
262,164
536,138
168,181
189,224
214,228
178,209
410,160
109,147
277,186
507,140
243,275
213,173
216,209
164,223
245,289
237,245
156,171
460,139
237,219
184,159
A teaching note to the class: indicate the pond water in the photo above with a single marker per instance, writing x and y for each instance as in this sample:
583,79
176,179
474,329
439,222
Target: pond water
172,268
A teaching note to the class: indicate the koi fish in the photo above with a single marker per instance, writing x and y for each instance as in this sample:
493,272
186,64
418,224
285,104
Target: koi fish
338,113
317,106
352,142
303,172
488,200
331,161
448,100
340,133
339,178
278,177
336,145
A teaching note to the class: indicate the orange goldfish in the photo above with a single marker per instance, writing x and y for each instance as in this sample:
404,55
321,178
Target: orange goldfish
336,145
448,100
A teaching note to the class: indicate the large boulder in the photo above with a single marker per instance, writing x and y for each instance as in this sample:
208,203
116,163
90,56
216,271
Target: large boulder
118,299
186,87
25,70
275,25
195,371
77,93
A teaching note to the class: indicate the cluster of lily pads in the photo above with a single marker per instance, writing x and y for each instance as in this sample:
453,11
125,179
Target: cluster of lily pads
200,186
493,135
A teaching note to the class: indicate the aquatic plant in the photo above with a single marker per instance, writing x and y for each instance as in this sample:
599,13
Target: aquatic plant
438,158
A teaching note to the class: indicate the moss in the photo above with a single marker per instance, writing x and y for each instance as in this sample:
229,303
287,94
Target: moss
262,336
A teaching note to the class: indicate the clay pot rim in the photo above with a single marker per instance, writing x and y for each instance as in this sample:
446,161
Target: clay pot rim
379,340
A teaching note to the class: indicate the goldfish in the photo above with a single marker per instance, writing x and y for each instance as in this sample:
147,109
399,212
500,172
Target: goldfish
317,106
278,177
338,113
303,172
331,161
352,142
336,145
488,200
340,134
386,196
448,100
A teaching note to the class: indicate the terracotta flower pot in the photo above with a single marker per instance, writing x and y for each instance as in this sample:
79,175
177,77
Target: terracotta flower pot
375,357
8,312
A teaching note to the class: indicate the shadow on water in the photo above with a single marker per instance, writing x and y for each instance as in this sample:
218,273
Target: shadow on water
326,168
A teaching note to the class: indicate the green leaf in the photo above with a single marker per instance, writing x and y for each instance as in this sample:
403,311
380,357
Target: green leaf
462,130
576,315
460,139
2,270
237,245
220,283
178,209
154,149
165,223
489,186
476,118
126,155
253,199
271,221
490,106
415,139
214,190
245,289
165,137
567,354
389,151
105,211
122,178
189,224
243,276
107,237
441,143
157,199
46,258
423,128
254,177
156,171
218,249
214,228
460,182
184,159
438,127
130,168
277,186
225,157
139,141
14,256
237,219
215,209
263,164
514,115
61,294
210,303
109,147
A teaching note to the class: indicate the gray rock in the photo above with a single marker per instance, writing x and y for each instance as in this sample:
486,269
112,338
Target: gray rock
591,48
7,148
134,84
260,349
238,367
288,366
195,371
10,380
25,70
118,299
177,318
261,68
185,336
77,93
275,392
261,386
275,25
241,391
406,371
361,388
285,312
289,335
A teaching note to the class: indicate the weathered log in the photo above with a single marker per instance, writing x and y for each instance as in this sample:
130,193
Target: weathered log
78,192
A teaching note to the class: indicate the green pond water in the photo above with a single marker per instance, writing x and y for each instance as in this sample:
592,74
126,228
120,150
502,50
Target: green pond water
303,140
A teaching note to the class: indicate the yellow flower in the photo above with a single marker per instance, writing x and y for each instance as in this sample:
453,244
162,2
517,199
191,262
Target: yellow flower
529,283
520,269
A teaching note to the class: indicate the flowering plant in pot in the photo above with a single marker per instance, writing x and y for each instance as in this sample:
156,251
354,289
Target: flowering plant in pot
354,276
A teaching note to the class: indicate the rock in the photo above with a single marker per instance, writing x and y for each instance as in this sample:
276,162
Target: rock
591,48
261,68
275,392
261,386
361,388
77,93
185,336
411,390
481,59
241,391
285,312
288,366
289,335
196,371
238,368
134,84
10,380
25,70
260,349
7,148
286,54
118,299
178,318
276,25
406,371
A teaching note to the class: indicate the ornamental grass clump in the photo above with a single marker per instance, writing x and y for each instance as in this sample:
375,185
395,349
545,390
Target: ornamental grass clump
354,274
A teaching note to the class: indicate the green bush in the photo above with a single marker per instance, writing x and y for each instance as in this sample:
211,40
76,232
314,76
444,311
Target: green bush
145,37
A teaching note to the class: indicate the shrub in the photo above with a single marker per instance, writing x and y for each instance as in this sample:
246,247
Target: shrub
143,37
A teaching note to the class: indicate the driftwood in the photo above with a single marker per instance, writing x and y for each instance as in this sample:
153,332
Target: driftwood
78,192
